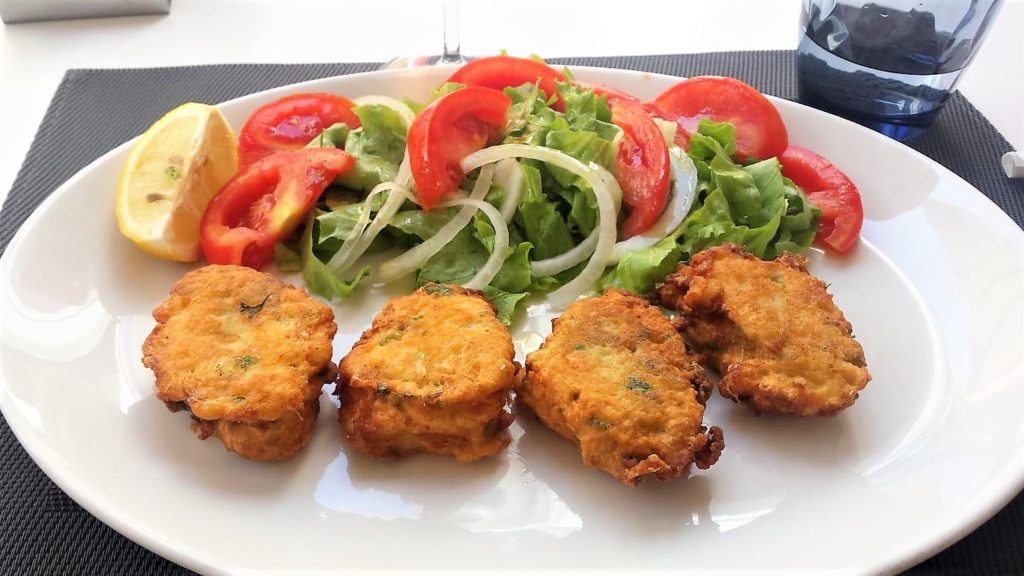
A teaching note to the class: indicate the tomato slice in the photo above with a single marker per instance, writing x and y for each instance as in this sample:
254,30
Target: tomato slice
760,132
502,71
445,132
265,202
641,166
842,214
290,123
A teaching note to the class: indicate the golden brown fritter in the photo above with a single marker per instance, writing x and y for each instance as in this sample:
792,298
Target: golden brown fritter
770,329
246,355
614,378
434,373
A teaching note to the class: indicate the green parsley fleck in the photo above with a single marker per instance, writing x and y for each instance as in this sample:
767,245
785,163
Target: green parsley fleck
438,290
172,173
598,423
244,362
581,346
637,385
251,311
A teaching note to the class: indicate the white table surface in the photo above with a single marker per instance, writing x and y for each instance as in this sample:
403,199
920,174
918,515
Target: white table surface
34,56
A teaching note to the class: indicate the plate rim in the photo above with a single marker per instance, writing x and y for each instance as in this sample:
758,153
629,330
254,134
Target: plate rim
904,555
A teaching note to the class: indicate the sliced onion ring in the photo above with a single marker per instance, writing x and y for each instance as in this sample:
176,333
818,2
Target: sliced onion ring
567,259
404,175
395,200
342,258
668,130
684,192
602,192
509,175
417,256
494,262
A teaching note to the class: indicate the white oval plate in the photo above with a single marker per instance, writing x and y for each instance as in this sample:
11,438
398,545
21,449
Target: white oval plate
935,292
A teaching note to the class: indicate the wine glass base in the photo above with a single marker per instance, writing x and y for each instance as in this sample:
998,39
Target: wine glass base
419,61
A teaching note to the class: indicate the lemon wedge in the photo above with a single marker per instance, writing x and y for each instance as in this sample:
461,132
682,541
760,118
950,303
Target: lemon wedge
172,172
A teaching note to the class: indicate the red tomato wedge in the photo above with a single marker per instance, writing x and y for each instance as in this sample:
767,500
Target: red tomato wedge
760,133
290,123
641,166
448,130
830,190
502,71
265,202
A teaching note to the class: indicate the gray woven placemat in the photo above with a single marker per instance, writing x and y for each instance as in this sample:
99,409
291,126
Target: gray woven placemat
42,531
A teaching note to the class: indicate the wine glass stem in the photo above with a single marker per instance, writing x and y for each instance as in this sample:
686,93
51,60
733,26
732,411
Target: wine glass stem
452,51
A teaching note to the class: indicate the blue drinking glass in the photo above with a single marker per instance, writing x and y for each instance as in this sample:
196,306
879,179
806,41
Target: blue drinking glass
891,64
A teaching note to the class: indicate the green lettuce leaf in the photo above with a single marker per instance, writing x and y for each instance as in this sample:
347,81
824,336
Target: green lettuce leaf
504,302
318,277
748,206
638,271
587,111
538,216
332,137
465,254
586,147
529,118
378,147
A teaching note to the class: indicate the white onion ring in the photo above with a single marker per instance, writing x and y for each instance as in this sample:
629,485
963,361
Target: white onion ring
341,259
509,175
668,130
567,259
404,175
605,203
494,262
417,256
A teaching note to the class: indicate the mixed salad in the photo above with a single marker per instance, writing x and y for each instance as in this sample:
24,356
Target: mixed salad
515,179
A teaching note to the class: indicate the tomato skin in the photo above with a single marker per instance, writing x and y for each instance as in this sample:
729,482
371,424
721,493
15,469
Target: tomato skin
760,132
641,166
842,213
445,132
499,72
290,123
265,202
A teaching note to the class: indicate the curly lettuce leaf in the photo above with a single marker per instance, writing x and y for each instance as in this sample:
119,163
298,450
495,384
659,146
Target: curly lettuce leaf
504,302
378,147
539,217
638,271
318,277
753,206
466,254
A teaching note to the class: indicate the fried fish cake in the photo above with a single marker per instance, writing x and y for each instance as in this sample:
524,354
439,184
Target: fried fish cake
434,373
246,355
614,378
770,329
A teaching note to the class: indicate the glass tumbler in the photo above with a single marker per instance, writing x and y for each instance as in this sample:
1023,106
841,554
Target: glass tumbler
890,64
